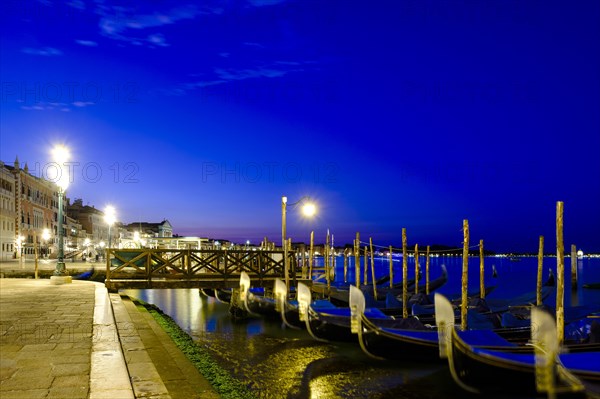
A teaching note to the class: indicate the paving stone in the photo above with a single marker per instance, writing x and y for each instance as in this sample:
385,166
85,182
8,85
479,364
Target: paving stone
70,359
38,347
7,372
37,382
68,392
149,388
9,348
81,381
32,372
111,394
22,394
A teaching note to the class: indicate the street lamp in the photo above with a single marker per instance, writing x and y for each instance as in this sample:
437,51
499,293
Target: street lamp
110,216
45,238
308,209
61,155
86,244
102,245
19,243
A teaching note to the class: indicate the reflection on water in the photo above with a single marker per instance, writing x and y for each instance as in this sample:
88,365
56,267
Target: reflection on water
276,362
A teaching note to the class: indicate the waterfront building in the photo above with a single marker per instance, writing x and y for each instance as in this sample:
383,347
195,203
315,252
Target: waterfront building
8,215
35,208
91,220
151,230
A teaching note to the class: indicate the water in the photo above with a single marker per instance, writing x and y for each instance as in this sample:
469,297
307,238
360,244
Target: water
275,362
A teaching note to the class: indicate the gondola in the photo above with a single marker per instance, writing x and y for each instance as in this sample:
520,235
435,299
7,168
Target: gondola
484,362
409,339
254,301
396,289
416,340
339,294
327,322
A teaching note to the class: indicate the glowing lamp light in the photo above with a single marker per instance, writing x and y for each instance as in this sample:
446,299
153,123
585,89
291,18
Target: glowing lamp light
309,209
110,215
60,155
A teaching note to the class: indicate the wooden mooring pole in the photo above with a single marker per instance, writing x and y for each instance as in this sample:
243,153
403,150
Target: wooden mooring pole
345,265
404,275
540,269
286,264
326,259
357,259
311,255
417,270
332,264
391,269
303,259
427,271
366,267
573,267
560,274
373,268
465,276
481,271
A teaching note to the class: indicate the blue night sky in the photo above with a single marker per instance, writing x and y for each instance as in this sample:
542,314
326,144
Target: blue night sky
390,114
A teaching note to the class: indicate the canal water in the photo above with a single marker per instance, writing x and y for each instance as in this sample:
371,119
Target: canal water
278,362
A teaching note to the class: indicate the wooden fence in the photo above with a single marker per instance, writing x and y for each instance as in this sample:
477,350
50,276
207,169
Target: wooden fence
190,268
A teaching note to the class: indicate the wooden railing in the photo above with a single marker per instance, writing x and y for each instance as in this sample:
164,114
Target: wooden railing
187,268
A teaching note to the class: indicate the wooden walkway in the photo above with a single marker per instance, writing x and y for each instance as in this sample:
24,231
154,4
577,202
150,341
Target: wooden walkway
190,268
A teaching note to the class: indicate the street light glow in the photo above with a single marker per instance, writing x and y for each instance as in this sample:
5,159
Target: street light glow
60,155
45,234
309,209
110,215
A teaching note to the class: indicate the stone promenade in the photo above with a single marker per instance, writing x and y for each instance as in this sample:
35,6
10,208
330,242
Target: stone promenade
77,341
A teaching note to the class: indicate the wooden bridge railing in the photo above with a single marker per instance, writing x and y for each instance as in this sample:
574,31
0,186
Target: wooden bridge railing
188,268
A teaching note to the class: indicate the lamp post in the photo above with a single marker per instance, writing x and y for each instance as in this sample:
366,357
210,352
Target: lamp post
61,155
102,245
308,209
45,238
20,249
86,244
110,217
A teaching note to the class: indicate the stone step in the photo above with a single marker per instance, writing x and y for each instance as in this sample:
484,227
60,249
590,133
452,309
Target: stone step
145,379
177,373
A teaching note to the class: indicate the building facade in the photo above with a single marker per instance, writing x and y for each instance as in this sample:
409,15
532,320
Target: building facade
8,215
36,209
92,221
29,221
147,234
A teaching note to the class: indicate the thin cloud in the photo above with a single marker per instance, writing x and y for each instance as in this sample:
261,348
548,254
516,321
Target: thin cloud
82,104
118,25
56,106
241,74
223,76
78,4
264,3
44,51
88,43
157,39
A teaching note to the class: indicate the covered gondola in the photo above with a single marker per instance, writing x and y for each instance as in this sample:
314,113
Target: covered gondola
485,362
